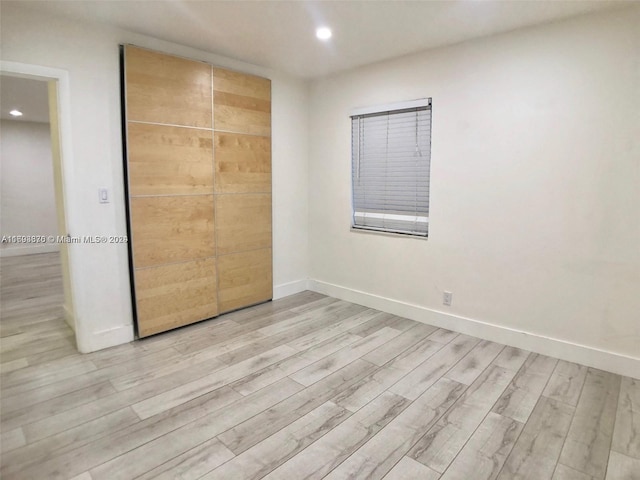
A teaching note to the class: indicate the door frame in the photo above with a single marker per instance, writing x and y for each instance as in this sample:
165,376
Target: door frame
64,156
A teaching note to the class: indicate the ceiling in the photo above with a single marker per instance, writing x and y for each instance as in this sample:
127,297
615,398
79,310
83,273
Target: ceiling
281,34
31,97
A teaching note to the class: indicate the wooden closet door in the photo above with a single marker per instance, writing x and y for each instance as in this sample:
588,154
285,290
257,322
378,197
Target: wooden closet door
171,176
242,153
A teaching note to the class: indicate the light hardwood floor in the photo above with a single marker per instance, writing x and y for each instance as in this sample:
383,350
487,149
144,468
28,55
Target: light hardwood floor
305,387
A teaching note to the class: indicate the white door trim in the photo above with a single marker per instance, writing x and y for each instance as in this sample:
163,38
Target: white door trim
38,72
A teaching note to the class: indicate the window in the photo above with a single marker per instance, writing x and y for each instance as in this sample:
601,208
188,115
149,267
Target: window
391,157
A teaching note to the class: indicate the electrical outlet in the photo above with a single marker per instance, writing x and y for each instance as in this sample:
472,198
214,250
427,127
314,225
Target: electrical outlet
446,298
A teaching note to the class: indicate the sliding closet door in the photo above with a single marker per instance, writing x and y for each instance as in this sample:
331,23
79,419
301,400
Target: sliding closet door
242,153
170,173
198,141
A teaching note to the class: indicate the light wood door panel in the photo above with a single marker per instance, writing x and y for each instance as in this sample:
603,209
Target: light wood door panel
242,103
169,160
233,119
172,229
196,171
173,295
243,222
166,89
243,84
242,163
230,118
244,279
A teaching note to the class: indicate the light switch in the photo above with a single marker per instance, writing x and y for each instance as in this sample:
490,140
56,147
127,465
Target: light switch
103,194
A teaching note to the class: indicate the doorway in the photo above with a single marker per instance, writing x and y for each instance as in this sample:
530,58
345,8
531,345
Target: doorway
38,316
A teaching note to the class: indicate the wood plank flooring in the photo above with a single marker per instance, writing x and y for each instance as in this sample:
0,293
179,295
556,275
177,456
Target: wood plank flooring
306,387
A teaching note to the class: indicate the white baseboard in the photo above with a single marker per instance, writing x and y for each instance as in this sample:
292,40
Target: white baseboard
286,289
94,341
116,336
32,250
553,347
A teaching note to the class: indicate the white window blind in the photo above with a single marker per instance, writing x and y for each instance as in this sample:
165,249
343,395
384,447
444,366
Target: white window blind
391,158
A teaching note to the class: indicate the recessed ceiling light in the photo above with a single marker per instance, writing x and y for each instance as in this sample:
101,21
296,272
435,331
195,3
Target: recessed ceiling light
323,33
15,113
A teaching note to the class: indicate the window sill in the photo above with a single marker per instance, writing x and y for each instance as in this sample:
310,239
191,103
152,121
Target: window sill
367,231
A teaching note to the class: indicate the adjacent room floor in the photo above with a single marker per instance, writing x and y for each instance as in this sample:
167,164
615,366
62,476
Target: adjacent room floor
303,387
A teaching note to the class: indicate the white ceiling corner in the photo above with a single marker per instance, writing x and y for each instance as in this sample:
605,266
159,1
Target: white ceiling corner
281,34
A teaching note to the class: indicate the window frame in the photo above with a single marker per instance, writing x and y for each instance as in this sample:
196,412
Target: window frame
380,110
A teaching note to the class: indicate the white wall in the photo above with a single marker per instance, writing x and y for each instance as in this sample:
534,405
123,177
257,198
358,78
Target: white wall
535,181
99,273
27,192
